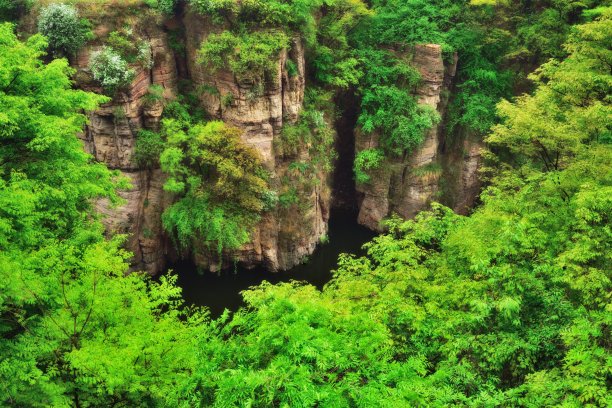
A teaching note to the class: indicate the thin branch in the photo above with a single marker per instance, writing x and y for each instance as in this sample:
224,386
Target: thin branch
45,313
93,300
10,85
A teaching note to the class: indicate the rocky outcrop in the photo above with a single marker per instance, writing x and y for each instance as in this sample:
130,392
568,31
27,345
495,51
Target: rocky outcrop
111,137
469,183
405,185
284,236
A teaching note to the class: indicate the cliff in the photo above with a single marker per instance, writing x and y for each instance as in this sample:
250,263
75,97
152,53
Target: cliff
289,233
461,159
406,185
285,235
113,129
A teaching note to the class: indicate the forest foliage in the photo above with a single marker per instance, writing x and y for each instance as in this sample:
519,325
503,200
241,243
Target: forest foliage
509,306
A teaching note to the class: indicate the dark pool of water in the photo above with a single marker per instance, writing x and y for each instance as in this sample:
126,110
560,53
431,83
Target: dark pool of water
219,291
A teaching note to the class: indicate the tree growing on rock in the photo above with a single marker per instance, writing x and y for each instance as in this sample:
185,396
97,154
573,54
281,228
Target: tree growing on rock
65,31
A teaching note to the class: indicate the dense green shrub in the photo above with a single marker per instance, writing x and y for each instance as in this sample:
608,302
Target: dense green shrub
227,100
333,57
11,9
396,113
294,15
366,160
250,56
110,70
289,198
165,6
217,9
131,48
312,131
149,146
219,182
291,67
64,30
154,95
314,134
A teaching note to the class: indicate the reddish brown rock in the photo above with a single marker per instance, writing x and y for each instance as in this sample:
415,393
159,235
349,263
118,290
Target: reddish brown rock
406,185
283,238
111,138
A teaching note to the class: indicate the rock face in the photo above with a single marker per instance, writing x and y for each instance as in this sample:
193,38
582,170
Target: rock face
406,185
462,158
111,137
284,236
469,183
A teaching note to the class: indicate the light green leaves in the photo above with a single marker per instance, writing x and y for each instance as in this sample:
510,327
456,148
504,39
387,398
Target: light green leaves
219,183
250,56
366,161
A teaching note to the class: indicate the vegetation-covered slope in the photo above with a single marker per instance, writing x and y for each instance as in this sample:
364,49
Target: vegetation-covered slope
509,306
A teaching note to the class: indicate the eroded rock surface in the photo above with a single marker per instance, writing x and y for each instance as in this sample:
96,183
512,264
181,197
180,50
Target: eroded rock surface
462,159
111,137
284,236
406,185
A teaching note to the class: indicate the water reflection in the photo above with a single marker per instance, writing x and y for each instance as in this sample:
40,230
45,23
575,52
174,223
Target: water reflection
221,291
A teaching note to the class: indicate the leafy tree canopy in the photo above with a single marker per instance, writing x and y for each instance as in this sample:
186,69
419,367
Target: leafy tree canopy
219,180
74,331
509,306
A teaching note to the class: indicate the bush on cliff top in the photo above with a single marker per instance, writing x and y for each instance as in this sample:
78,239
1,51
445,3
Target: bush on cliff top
249,55
64,30
165,6
112,71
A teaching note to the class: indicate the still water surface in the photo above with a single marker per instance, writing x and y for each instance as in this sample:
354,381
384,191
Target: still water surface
219,291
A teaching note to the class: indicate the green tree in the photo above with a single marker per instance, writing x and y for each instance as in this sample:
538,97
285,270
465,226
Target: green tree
294,346
64,30
74,330
507,307
219,182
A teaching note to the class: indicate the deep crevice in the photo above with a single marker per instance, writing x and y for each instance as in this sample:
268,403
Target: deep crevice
344,194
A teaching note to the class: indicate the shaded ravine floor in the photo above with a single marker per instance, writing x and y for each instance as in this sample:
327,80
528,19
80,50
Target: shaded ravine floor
220,291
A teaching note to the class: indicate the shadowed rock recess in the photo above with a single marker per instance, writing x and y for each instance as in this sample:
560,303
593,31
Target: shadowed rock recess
283,237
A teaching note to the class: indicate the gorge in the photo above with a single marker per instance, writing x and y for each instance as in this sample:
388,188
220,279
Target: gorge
305,203
284,236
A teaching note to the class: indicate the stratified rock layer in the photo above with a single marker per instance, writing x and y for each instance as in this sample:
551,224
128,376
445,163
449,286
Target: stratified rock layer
406,185
284,236
461,161
111,137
